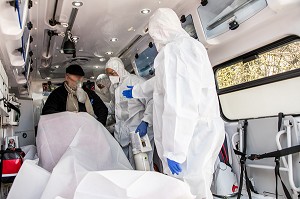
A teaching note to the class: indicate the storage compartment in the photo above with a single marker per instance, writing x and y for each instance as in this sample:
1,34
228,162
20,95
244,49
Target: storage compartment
218,17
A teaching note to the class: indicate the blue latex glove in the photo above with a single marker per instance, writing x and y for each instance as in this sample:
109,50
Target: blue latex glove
142,129
174,166
128,93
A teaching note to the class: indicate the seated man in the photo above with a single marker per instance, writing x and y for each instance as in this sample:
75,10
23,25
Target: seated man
71,97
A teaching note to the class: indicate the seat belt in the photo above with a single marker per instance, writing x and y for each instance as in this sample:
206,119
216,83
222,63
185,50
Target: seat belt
277,161
243,159
274,154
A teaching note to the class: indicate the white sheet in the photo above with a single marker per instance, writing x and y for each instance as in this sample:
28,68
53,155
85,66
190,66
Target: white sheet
131,185
74,144
30,181
79,151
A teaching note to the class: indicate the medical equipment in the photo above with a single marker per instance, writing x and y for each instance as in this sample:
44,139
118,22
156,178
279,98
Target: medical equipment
140,145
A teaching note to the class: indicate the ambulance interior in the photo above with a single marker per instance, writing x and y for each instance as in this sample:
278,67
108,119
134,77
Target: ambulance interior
253,46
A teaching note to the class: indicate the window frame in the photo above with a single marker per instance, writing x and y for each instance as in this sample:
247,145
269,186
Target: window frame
259,82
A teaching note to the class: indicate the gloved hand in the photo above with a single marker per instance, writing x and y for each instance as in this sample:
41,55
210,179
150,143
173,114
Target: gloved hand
142,129
128,93
174,166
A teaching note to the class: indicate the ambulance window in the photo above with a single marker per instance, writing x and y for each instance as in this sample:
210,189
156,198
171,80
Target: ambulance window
277,60
188,26
218,17
144,62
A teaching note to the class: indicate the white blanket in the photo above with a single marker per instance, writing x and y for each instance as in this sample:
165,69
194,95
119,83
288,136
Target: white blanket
72,144
79,151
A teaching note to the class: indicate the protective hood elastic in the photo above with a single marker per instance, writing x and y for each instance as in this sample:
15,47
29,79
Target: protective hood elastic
165,27
117,65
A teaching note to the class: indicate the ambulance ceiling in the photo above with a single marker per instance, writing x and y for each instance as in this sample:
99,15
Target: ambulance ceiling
96,23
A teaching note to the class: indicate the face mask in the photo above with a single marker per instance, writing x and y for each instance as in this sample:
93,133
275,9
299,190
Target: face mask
114,79
81,95
79,84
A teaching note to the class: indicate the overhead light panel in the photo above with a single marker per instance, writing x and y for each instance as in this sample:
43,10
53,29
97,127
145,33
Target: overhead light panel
145,11
97,54
92,77
102,59
96,67
77,3
109,53
114,39
130,29
48,78
57,66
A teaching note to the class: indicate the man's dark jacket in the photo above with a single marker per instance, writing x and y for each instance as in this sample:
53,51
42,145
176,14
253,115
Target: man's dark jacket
57,102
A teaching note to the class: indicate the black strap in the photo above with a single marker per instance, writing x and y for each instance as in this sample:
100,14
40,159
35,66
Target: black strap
280,117
276,154
242,162
277,174
243,159
10,105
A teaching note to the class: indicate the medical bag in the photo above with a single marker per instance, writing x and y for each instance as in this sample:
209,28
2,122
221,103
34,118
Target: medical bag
11,162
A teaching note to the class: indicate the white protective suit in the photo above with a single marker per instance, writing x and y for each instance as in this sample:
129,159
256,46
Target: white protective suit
186,118
130,113
103,93
108,97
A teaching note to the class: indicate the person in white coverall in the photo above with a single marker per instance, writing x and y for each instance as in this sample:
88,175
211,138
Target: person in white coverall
102,88
131,115
187,126
105,91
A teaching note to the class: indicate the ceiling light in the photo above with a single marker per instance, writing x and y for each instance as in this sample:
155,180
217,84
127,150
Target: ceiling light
92,77
109,53
97,55
159,2
145,11
130,29
102,59
80,50
114,39
57,66
77,3
48,78
97,67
